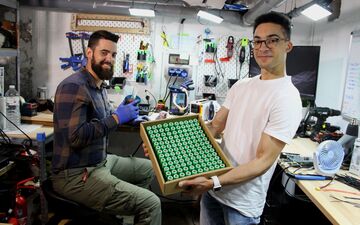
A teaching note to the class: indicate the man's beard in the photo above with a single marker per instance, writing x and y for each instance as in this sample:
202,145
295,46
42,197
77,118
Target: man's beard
103,74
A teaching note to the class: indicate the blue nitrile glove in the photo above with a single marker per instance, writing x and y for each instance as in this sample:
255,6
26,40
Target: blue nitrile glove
138,120
127,112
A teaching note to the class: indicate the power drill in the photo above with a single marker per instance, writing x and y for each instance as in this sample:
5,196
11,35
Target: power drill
322,113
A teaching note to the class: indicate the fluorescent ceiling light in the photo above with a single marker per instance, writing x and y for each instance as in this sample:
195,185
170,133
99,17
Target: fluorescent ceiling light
209,16
142,12
316,12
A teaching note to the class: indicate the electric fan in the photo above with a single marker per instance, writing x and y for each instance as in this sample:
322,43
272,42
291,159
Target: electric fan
328,158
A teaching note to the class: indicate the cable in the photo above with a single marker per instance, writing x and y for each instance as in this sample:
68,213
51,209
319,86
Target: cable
5,137
169,90
151,95
137,149
167,86
27,136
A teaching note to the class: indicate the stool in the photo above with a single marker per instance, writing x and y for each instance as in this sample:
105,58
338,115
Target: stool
77,213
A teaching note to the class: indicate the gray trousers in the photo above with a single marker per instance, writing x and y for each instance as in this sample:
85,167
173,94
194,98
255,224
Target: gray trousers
116,186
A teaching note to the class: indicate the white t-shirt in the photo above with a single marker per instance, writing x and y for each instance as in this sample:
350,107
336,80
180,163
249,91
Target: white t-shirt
256,106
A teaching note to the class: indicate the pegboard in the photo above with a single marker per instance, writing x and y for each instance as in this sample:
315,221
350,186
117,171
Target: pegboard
230,69
113,23
127,44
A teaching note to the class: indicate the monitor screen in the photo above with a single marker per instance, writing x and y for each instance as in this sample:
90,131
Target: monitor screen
302,65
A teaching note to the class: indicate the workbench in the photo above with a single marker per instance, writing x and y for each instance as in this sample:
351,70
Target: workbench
340,213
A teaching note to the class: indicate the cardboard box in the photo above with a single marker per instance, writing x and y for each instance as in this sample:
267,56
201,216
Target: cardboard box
199,139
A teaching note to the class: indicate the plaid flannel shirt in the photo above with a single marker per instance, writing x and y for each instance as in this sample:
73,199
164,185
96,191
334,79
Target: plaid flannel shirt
82,121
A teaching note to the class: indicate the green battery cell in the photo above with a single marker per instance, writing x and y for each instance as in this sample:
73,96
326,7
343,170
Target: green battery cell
181,174
180,170
191,167
161,130
159,125
188,173
203,165
159,151
170,162
166,168
222,165
165,125
194,172
161,156
172,167
209,163
166,155
197,166
179,156
183,165
176,176
200,170
211,168
169,178
172,128
168,173
173,172
162,160
164,164
216,166
184,168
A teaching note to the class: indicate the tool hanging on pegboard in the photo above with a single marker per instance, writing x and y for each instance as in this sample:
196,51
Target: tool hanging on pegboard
76,60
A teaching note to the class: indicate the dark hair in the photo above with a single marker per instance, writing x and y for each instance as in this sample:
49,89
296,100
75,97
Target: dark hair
101,34
277,18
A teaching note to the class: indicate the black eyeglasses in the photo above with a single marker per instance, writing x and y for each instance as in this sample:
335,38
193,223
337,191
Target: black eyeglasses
269,42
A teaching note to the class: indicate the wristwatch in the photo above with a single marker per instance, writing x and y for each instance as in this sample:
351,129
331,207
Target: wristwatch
217,185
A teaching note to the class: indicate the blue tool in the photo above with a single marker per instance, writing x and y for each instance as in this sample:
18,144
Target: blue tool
75,61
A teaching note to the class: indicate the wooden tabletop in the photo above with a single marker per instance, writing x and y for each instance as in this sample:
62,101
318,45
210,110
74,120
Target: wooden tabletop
43,118
49,131
337,212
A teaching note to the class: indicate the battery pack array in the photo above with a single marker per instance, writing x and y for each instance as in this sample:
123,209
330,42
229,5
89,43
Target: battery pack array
182,149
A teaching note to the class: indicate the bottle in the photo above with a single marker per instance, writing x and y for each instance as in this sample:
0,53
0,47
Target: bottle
12,101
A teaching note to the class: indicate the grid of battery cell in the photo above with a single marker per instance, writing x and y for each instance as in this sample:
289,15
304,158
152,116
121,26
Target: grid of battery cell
183,149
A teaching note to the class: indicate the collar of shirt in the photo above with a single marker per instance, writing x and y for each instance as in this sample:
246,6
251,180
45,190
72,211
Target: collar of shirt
91,79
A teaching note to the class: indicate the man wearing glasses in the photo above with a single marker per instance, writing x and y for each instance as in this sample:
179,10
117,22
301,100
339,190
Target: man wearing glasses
259,117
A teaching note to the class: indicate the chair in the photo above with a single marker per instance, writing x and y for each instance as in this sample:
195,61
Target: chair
77,213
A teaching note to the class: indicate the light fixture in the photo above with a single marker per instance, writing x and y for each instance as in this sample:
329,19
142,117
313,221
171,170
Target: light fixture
142,12
208,16
316,12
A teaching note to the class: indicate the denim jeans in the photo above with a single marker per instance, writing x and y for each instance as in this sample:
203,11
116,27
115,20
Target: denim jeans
214,213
